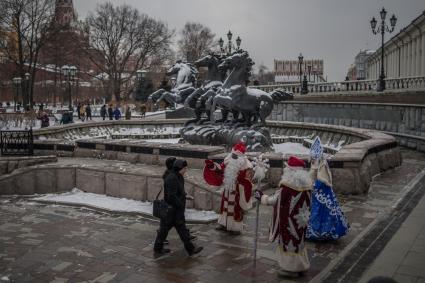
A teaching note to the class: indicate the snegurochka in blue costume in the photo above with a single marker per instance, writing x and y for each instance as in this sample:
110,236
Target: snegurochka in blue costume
327,221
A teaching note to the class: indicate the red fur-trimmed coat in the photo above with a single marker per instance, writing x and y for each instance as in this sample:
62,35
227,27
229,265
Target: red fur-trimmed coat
215,177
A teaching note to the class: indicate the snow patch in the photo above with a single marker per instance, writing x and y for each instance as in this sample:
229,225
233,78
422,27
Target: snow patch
162,140
291,148
115,204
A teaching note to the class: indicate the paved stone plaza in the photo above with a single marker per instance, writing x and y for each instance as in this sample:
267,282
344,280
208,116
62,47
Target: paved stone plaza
49,243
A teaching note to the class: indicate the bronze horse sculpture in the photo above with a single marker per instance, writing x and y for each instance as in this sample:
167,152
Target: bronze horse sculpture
212,82
235,96
185,80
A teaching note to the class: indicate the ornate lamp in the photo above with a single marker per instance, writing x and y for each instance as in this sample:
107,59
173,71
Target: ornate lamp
238,42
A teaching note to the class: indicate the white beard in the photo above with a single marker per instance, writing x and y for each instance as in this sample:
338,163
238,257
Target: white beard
231,172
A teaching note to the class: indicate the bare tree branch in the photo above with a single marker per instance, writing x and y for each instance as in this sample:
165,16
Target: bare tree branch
127,41
196,40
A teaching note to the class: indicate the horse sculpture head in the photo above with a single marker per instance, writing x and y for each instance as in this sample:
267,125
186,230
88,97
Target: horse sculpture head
208,60
212,61
241,64
186,73
239,59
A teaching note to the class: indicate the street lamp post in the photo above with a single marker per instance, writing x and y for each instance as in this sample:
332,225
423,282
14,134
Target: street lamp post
382,28
17,82
69,73
300,63
27,77
303,79
140,75
230,46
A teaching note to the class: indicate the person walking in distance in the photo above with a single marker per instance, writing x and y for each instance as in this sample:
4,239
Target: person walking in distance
128,113
175,196
110,112
103,112
117,113
78,110
88,111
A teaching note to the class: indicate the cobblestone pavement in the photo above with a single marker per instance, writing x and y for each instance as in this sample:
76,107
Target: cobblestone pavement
48,243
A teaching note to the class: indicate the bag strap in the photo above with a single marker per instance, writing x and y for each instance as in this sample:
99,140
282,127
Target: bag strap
157,196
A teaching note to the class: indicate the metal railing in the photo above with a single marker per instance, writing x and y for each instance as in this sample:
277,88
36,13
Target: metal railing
409,83
17,142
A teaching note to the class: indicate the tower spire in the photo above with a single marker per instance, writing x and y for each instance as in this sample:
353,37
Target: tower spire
64,12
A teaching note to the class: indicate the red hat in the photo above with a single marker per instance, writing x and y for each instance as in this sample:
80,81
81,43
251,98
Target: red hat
295,162
239,148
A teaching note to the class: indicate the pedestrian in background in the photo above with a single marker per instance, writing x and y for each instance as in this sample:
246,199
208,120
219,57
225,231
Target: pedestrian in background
78,110
82,113
88,111
117,113
127,113
103,112
110,112
175,196
143,110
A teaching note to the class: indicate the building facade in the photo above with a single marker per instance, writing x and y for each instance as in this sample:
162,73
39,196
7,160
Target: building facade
289,70
360,63
404,53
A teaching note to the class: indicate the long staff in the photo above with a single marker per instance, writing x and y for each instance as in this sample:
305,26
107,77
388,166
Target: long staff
257,214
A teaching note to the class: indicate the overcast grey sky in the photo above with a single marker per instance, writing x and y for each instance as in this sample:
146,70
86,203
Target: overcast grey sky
332,30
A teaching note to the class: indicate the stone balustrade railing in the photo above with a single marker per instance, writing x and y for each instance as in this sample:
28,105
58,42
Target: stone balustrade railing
406,122
350,86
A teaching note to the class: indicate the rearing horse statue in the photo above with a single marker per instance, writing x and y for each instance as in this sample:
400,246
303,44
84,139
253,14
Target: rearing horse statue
186,76
237,97
212,82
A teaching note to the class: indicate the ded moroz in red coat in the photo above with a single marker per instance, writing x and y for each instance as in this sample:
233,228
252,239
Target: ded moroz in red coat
237,192
291,216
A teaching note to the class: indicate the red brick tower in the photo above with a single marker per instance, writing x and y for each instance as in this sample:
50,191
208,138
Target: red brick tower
64,12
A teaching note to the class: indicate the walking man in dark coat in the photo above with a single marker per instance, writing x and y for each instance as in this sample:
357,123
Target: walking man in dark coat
103,112
110,112
175,196
88,111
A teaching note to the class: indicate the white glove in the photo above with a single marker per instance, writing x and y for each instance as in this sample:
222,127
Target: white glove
259,173
260,169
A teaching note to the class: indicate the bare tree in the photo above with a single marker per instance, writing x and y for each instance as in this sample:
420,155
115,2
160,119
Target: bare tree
127,41
195,41
28,24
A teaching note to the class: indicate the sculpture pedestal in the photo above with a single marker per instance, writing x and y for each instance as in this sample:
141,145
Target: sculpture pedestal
256,138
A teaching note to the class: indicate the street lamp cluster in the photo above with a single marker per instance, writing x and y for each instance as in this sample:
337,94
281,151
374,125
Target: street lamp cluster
228,49
382,28
18,83
140,76
69,73
303,80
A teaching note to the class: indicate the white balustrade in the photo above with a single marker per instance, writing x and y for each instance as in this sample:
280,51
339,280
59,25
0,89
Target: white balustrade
405,83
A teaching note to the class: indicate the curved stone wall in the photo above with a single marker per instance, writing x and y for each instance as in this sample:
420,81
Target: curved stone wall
123,180
404,121
364,153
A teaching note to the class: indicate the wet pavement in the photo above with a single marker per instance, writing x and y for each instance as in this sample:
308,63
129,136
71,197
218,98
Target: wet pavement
49,243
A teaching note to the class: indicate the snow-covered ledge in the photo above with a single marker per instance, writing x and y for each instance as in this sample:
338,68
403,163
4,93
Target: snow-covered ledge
108,178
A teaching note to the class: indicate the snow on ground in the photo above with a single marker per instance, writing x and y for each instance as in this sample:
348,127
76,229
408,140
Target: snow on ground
158,130
114,204
14,124
291,148
163,140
